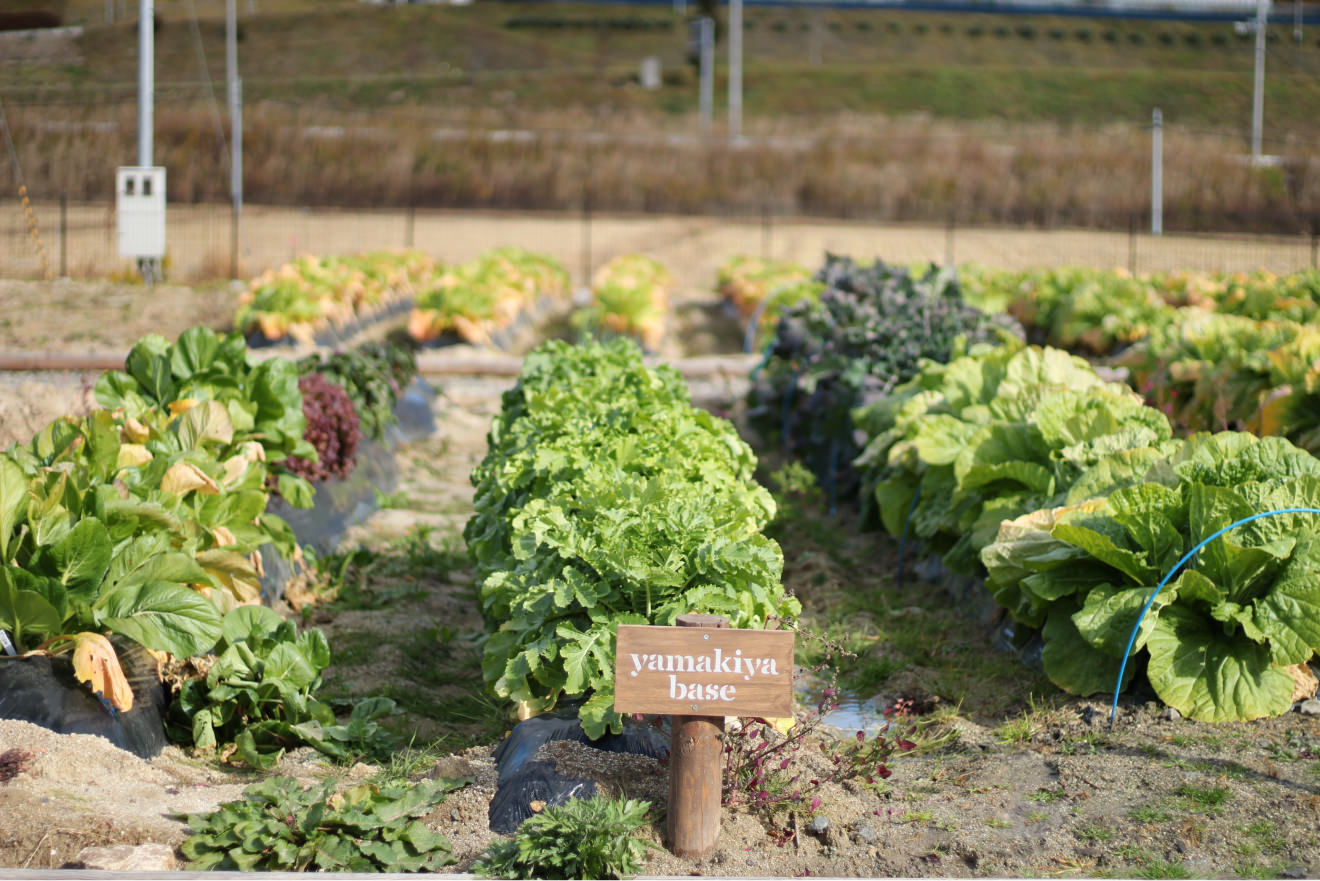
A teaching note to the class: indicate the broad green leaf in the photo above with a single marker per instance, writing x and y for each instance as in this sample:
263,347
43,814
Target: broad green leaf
195,351
82,558
295,490
25,613
1210,677
161,616
315,647
1109,615
1072,663
13,502
167,566
1131,563
149,365
941,438
1290,613
1005,451
244,622
287,664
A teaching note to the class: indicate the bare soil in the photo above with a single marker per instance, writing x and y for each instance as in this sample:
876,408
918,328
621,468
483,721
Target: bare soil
1032,782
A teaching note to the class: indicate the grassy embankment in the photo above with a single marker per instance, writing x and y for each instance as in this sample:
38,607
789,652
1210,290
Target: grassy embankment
881,114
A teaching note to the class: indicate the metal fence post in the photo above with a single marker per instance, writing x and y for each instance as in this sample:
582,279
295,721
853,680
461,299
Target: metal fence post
1132,244
64,235
948,237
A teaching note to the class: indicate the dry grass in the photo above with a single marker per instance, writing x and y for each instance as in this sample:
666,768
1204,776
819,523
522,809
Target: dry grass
846,165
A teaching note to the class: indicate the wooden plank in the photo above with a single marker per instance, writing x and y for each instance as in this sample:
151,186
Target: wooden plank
700,671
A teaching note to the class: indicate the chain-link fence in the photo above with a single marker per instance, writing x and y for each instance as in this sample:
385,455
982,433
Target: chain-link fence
59,239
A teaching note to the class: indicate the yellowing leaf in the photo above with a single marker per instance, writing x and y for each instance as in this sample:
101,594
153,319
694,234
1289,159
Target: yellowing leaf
134,431
95,662
211,421
132,455
222,536
234,469
181,406
184,477
234,572
1304,682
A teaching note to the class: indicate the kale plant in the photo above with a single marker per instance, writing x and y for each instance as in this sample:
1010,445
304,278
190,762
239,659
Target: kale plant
870,331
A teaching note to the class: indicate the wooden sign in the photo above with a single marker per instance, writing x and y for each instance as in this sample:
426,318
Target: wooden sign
702,671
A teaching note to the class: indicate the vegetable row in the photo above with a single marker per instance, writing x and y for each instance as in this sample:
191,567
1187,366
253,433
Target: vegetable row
1069,494
473,302
143,520
606,498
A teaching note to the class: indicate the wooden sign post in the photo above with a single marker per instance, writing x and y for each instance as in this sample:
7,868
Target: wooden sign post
698,673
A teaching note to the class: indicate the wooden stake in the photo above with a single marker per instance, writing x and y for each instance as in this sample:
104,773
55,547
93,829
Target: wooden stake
696,759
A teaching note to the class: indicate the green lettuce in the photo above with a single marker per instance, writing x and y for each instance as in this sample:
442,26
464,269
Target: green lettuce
606,498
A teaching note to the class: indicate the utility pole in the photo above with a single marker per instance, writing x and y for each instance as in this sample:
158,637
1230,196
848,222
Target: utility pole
235,132
146,80
706,53
1258,90
735,70
1157,173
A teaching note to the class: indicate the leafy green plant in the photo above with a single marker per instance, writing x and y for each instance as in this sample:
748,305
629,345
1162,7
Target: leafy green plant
995,434
476,299
309,294
374,375
868,332
630,298
605,498
148,540
583,838
1218,636
279,826
258,695
259,397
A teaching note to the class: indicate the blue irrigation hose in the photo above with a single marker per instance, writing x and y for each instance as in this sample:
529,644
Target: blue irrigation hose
902,542
1113,710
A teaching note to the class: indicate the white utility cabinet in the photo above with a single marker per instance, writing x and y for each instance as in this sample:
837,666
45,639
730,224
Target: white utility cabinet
140,211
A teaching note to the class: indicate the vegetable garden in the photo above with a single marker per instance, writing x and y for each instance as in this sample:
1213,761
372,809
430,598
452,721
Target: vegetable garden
1066,441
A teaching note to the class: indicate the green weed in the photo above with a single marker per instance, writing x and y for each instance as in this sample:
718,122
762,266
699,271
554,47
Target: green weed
1150,814
1095,831
1203,799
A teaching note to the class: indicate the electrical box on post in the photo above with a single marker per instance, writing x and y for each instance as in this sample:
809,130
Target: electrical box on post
140,211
